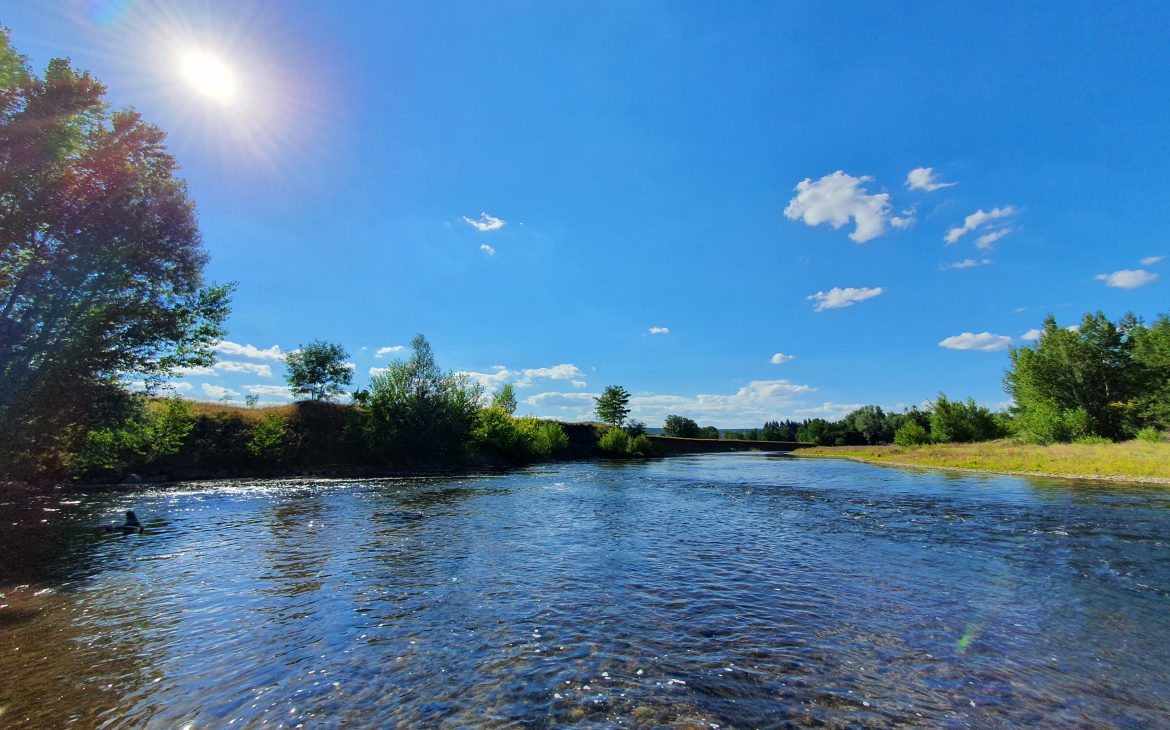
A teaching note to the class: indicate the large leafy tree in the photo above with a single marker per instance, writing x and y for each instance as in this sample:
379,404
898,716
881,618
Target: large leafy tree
680,426
100,254
318,370
613,405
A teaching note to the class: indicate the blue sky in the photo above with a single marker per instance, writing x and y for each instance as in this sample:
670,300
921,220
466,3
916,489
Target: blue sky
662,195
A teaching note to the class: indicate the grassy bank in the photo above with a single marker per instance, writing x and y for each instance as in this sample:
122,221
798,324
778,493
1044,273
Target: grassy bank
1127,461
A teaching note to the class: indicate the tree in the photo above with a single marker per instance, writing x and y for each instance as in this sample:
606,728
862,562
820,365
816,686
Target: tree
680,427
613,405
418,412
101,259
318,370
505,399
956,421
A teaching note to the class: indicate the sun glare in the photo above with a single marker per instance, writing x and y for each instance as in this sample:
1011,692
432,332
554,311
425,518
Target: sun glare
209,76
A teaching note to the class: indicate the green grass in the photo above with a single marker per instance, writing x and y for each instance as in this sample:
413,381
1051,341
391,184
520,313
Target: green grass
1132,460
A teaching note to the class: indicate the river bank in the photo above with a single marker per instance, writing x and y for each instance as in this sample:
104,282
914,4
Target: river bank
1129,461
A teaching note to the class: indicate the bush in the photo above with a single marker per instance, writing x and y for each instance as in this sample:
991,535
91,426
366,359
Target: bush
615,441
911,434
635,429
1045,423
1149,434
267,440
642,446
517,439
959,422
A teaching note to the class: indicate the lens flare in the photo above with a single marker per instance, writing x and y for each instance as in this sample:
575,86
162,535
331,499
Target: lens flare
209,76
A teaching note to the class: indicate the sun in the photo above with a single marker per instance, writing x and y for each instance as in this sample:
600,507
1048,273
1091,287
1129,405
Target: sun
209,76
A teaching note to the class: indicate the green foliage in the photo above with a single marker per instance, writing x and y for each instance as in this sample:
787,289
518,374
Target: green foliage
635,429
1149,434
615,442
642,446
1151,358
418,412
613,405
100,257
318,370
870,423
1044,422
911,433
268,437
708,432
505,399
961,422
145,434
680,427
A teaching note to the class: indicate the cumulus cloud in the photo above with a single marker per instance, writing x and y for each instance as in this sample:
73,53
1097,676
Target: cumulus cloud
272,391
384,351
1127,278
525,377
1151,260
780,357
249,351
487,249
966,264
660,330
491,381
377,371
218,391
923,178
1031,335
556,372
264,370
976,220
838,198
987,240
837,297
984,342
486,222
196,370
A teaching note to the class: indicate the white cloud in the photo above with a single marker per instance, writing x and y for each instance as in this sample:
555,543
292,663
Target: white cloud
836,199
829,411
977,219
196,371
1151,260
384,351
523,378
273,391
377,371
923,178
660,330
249,351
1031,335
264,370
178,387
486,223
491,381
966,264
987,240
780,357
1128,278
218,391
837,297
579,383
350,366
487,249
984,342
556,372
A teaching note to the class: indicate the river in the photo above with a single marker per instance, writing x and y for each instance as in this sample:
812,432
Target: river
722,590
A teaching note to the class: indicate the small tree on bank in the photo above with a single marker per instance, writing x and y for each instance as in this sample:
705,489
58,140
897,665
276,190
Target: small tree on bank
613,405
318,370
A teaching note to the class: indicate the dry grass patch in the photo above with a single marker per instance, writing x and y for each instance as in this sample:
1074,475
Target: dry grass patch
1138,460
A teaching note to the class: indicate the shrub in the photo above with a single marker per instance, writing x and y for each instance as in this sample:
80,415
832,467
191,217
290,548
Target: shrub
267,440
911,434
1149,434
956,421
615,441
642,446
517,439
635,429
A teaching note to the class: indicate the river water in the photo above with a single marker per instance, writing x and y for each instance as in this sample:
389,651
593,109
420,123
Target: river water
724,590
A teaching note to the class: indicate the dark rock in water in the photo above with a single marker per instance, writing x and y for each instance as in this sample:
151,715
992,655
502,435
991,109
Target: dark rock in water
131,526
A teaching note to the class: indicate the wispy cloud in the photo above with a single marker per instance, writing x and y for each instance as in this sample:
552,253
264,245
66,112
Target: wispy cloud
976,220
486,222
487,249
1031,335
264,370
829,411
249,351
838,198
524,378
987,240
196,371
837,297
272,391
218,391
984,342
1127,278
966,264
384,351
1151,260
780,357
924,178
660,330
